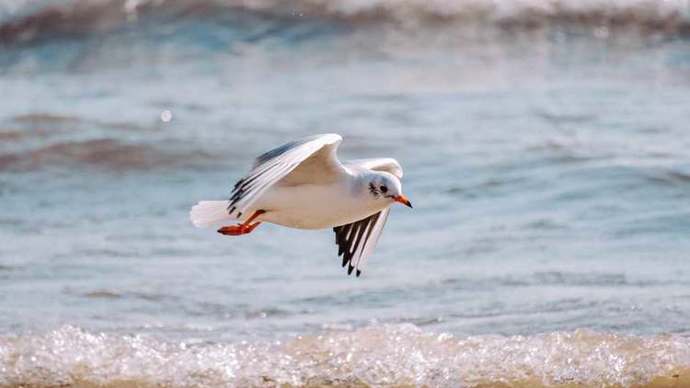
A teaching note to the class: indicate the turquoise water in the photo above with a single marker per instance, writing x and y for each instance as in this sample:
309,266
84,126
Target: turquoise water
548,166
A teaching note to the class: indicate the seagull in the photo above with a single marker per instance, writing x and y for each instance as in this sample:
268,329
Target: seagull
303,185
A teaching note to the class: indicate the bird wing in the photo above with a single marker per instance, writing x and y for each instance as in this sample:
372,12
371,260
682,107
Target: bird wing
357,240
313,158
380,164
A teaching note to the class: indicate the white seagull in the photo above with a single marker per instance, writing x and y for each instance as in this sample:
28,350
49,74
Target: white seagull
303,185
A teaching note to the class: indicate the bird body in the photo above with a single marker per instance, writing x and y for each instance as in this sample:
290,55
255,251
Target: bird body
311,206
303,185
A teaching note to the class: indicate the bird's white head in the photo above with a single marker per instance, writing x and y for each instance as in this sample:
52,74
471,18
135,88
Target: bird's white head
384,186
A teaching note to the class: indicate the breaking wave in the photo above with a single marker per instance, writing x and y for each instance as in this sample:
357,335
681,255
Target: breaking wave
29,19
391,355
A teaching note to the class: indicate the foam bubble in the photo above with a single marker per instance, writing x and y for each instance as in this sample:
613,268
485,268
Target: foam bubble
166,116
394,355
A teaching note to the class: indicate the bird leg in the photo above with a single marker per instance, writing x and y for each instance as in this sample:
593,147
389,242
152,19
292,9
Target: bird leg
243,228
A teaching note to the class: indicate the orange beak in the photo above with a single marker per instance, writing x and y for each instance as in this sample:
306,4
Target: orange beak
403,199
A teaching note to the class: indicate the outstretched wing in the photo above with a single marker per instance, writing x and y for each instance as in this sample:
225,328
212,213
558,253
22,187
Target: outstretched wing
318,153
357,240
380,164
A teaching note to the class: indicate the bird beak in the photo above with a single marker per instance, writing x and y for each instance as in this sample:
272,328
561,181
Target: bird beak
403,199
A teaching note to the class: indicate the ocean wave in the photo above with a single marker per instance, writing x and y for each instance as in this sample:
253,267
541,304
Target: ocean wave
30,19
391,355
104,153
40,140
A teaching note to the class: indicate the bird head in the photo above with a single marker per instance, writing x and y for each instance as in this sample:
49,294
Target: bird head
386,186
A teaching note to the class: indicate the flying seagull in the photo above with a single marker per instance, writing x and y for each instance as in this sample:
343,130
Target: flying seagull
303,185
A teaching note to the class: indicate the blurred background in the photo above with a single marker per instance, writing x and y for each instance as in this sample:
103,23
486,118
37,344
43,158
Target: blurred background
545,148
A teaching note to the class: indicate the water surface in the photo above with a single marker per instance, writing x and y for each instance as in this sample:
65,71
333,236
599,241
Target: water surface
548,165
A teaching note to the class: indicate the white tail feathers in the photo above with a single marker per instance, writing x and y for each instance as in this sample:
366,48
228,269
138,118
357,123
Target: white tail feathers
208,213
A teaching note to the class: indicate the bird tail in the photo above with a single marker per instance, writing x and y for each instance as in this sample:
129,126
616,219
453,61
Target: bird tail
208,213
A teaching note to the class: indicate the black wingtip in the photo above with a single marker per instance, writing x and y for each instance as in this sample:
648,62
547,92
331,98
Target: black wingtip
349,270
359,273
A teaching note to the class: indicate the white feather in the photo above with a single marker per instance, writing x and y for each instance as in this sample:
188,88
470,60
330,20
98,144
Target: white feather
281,163
208,213
379,164
368,248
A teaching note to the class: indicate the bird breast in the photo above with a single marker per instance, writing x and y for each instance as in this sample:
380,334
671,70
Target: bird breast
310,206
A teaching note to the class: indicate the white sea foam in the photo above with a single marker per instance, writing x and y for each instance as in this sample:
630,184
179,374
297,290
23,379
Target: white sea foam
378,355
665,15
502,10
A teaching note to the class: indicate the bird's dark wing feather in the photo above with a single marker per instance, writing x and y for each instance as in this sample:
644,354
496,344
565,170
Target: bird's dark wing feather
357,240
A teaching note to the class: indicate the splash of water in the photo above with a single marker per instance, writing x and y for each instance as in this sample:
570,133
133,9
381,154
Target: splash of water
393,355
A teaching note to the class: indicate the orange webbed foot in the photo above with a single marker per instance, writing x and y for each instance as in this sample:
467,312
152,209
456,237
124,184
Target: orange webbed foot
244,228
234,230
237,230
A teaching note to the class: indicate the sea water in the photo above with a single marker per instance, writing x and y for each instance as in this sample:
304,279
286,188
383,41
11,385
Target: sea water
545,148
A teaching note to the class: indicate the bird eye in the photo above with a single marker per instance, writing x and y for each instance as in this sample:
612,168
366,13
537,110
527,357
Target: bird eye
383,189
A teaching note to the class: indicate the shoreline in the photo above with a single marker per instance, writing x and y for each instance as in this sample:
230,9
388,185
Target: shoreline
399,355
